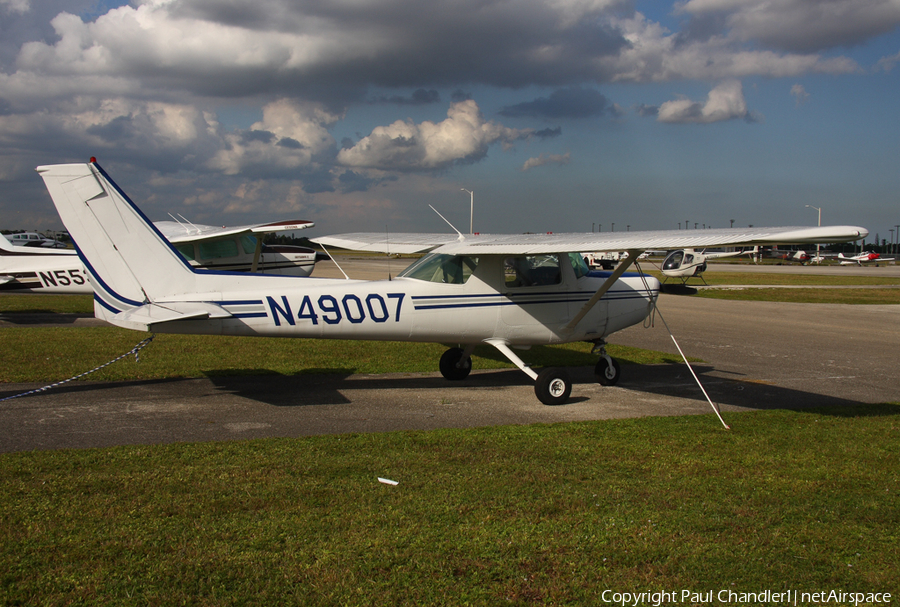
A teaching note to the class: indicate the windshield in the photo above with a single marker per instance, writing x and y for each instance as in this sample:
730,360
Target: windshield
450,269
673,261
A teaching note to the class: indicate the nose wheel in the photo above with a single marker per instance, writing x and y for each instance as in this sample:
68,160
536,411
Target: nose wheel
455,364
607,371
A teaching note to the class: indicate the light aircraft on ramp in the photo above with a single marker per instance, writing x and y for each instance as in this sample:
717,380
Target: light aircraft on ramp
865,257
509,291
240,249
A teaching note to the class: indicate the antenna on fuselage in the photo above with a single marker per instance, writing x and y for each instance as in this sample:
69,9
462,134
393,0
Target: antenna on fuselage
461,237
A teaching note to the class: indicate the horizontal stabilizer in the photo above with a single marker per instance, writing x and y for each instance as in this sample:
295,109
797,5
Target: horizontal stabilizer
144,318
386,242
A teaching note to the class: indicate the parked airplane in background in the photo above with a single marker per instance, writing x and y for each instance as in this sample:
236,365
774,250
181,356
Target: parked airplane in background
798,256
41,270
865,257
686,263
239,250
509,291
34,240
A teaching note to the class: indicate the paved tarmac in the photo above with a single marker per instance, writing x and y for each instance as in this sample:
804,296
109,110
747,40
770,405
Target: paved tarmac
756,355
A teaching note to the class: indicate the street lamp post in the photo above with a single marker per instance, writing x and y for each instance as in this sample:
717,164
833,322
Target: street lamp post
471,209
818,257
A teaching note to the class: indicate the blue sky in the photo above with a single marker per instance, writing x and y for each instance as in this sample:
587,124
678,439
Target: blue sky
561,115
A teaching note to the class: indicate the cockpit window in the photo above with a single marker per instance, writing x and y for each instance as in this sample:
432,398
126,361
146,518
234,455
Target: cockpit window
673,261
531,271
449,269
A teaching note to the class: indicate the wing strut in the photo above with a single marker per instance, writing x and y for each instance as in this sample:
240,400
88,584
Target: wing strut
256,254
622,267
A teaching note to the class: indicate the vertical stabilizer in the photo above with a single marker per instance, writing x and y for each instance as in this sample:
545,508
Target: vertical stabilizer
130,263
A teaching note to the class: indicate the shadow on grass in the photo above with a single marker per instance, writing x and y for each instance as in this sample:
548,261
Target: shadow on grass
42,317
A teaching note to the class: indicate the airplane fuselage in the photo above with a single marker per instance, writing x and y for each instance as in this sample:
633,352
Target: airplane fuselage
412,309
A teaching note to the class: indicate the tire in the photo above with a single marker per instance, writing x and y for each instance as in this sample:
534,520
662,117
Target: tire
607,375
553,386
449,360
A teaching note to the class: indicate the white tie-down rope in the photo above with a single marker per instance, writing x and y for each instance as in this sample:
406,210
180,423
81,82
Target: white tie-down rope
135,350
654,309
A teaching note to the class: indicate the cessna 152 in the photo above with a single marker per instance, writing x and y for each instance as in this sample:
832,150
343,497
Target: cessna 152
509,291
45,270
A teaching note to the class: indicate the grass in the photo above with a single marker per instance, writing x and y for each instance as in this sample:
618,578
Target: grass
44,354
523,515
872,296
59,304
754,278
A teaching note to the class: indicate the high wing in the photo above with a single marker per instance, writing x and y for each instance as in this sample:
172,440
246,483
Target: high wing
177,232
532,244
386,242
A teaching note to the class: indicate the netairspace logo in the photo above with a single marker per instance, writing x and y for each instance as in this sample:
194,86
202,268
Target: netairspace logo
726,597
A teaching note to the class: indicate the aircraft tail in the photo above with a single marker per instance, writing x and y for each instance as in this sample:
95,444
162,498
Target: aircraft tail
6,247
129,261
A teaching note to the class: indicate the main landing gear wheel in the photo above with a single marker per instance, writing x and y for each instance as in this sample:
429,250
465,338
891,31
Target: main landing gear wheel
607,374
553,386
450,366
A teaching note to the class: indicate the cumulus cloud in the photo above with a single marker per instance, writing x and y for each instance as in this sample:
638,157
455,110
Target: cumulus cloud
15,6
406,146
548,159
725,102
291,135
332,52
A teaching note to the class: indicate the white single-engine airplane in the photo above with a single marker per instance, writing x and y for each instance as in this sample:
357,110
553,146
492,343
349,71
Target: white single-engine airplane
509,291
865,257
238,249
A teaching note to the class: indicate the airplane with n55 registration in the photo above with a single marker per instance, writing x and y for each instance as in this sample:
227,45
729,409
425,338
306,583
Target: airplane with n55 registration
509,291
239,249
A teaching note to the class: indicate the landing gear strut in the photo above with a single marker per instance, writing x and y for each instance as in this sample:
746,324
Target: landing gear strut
607,369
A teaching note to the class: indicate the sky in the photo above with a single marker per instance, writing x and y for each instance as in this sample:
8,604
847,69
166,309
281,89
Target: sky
560,115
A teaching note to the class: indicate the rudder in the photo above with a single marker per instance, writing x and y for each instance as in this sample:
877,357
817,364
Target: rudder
130,263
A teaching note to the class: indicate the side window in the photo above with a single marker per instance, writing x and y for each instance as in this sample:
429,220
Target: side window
186,250
450,269
531,271
579,265
248,243
214,249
